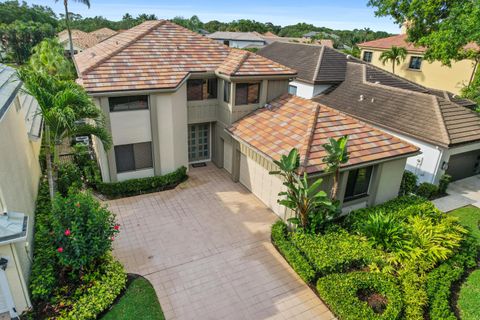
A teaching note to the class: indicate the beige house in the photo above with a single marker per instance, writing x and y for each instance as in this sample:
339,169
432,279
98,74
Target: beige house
415,68
174,98
20,141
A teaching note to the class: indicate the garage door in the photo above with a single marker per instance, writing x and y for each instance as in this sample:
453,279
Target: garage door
464,165
227,156
263,185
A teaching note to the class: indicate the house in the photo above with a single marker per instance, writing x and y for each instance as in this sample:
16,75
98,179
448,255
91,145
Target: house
414,68
311,34
440,123
172,97
318,67
238,39
103,33
81,40
20,142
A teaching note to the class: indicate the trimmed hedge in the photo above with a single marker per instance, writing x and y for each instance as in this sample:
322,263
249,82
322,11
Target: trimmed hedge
335,251
408,184
135,187
339,292
427,190
291,253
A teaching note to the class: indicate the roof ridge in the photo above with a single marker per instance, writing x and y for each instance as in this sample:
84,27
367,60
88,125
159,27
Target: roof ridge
116,51
245,56
309,136
319,62
438,109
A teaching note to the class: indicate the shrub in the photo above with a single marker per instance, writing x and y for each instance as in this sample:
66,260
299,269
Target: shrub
340,292
291,253
106,284
335,251
413,294
69,176
143,185
443,184
384,231
427,190
408,184
83,229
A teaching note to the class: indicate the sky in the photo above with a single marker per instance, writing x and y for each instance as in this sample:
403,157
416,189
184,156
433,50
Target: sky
335,14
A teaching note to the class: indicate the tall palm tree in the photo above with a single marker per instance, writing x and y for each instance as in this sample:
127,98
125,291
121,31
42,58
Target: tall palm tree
67,20
395,55
67,111
337,155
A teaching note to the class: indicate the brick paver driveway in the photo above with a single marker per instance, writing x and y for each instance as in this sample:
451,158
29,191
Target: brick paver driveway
205,246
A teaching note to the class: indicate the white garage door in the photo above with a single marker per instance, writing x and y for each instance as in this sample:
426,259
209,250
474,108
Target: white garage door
265,186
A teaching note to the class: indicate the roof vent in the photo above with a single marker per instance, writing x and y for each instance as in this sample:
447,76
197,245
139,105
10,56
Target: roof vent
268,106
373,100
349,57
361,98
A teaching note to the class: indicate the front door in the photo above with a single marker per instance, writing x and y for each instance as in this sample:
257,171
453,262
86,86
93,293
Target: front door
199,142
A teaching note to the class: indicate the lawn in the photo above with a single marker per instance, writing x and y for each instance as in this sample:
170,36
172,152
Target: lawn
139,302
469,216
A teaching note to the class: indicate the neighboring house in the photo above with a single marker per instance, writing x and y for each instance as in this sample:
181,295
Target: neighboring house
415,68
318,67
103,34
371,176
20,142
311,34
441,124
81,40
238,39
171,96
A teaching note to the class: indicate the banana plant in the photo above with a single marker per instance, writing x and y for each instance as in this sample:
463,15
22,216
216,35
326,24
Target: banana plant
337,154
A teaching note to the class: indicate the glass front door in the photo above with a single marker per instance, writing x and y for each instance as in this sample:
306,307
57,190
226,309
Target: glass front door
199,142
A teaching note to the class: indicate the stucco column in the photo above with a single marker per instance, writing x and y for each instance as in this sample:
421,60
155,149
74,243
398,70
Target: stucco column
112,166
235,160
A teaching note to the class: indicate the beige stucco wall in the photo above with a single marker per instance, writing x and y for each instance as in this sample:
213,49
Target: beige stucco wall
431,74
19,179
390,177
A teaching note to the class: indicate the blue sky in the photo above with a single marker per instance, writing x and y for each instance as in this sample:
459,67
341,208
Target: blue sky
336,14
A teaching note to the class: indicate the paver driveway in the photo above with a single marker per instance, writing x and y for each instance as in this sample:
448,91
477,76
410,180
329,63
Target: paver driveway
205,246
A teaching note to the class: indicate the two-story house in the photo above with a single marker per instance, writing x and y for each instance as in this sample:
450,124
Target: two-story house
172,97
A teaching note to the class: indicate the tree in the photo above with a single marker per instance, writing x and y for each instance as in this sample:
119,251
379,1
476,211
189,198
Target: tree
48,58
337,155
11,11
67,111
67,23
395,55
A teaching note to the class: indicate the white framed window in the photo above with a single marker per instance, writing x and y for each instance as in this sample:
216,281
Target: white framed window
367,56
292,90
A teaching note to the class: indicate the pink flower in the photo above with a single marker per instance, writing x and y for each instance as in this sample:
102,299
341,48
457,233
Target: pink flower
112,238
116,227
67,232
60,249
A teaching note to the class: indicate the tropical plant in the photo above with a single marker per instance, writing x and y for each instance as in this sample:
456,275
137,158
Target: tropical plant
67,111
395,55
408,184
337,155
67,21
48,58
384,231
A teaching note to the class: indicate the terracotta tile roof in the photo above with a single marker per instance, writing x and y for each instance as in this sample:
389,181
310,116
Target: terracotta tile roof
103,33
159,55
401,41
294,122
80,39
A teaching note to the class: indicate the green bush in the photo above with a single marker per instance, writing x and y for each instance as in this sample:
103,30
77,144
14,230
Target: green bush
335,251
143,185
384,231
408,184
443,184
83,230
340,293
106,284
427,190
291,253
69,176
413,294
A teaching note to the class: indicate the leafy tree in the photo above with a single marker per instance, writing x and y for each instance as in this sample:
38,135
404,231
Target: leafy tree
67,22
395,55
18,38
337,155
355,51
48,58
11,11
67,111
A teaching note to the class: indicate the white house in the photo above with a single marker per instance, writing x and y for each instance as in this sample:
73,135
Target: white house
238,39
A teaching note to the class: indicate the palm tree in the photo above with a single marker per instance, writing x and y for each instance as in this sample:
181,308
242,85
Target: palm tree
337,155
67,20
67,111
395,55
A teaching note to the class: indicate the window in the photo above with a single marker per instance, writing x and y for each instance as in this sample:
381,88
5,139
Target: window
226,42
128,103
247,93
201,89
367,56
415,63
226,91
292,90
131,157
358,183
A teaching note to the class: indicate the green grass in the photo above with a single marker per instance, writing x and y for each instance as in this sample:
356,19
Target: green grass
139,302
469,297
469,216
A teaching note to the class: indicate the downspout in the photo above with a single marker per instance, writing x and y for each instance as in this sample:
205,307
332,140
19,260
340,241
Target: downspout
437,165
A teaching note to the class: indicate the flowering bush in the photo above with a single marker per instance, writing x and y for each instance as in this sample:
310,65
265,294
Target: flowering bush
83,230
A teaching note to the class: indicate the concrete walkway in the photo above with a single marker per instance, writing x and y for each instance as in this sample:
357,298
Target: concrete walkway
205,246
460,194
